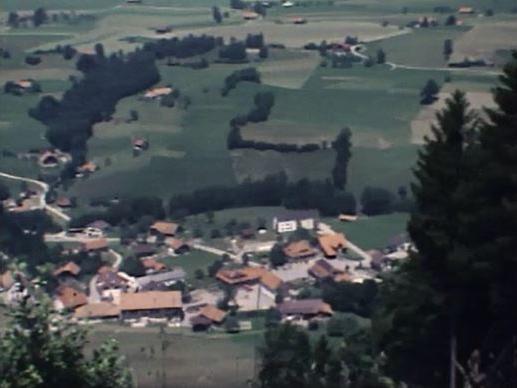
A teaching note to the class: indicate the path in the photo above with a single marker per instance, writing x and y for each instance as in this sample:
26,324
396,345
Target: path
355,51
42,195
62,237
215,251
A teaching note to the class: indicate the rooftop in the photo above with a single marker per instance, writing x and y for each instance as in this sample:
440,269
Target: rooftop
150,300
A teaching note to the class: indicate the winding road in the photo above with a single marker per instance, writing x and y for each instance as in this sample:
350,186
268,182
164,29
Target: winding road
41,194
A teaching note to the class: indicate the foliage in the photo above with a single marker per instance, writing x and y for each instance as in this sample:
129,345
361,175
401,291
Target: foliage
342,145
216,14
255,41
233,52
132,266
249,74
376,200
358,298
429,92
277,256
38,350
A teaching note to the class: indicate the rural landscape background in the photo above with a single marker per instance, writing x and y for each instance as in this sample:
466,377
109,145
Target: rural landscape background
200,108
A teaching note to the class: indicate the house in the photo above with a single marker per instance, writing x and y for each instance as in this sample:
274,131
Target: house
86,168
156,93
141,250
250,275
151,265
214,314
331,244
291,220
100,310
299,250
299,20
92,232
100,225
134,1
466,10
287,4
48,159
305,308
156,304
95,245
166,278
178,246
64,202
377,263
140,144
250,15
68,269
69,297
163,29
348,217
109,279
164,228
322,270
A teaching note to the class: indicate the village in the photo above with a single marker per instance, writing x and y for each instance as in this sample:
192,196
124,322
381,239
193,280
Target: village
251,273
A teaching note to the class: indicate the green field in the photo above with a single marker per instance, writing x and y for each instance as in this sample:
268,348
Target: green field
372,232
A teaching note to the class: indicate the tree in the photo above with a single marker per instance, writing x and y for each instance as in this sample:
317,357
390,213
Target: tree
447,48
277,256
376,200
13,20
439,289
40,350
199,274
451,20
342,145
322,354
4,192
381,56
133,115
263,52
237,4
132,266
40,16
216,14
429,92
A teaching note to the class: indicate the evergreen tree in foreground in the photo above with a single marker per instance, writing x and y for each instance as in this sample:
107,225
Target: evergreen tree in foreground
40,349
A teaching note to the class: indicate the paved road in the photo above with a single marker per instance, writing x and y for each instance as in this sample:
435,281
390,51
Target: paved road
42,195
62,237
215,251
94,295
356,51
118,259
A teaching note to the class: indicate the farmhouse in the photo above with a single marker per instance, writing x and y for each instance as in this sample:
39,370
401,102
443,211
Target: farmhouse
331,244
156,93
466,10
287,4
250,15
64,202
163,29
289,221
69,297
140,144
305,308
156,304
178,246
166,278
95,245
100,225
299,250
48,159
164,228
141,250
87,168
322,270
250,275
109,279
151,265
214,314
68,269
299,20
100,310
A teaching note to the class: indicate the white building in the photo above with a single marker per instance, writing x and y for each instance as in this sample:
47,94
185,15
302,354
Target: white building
294,219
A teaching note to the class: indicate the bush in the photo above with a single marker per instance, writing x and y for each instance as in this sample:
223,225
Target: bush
376,200
32,60
335,327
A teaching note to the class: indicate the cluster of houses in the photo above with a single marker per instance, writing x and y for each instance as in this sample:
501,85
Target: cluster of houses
27,200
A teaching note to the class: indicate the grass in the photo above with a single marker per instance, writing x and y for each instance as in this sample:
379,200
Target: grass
191,261
372,232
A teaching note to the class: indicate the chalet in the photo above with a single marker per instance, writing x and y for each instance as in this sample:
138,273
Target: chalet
48,159
299,250
140,144
156,304
164,228
167,278
68,269
305,308
162,29
322,270
466,10
178,246
64,202
250,15
251,275
69,297
347,217
141,250
86,168
100,225
289,221
151,265
287,4
100,310
157,93
95,245
214,314
331,244
109,279
299,20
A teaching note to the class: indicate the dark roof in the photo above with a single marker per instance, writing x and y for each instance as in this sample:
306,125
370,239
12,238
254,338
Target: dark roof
143,249
304,306
99,224
175,274
289,215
